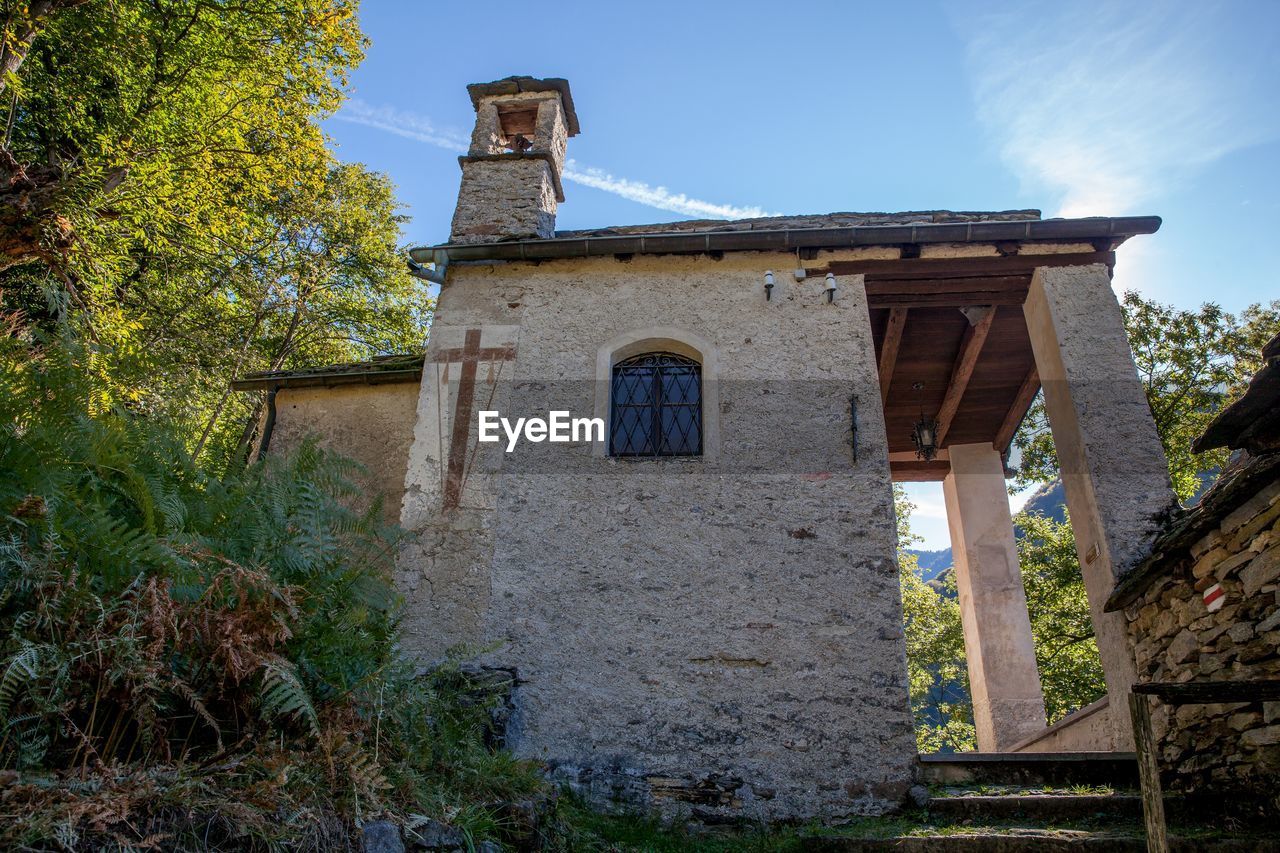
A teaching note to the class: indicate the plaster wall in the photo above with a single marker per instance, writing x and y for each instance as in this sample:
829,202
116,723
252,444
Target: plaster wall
1086,730
1113,467
372,424
721,633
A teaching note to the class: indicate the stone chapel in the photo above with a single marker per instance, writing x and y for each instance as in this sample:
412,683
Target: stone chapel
703,607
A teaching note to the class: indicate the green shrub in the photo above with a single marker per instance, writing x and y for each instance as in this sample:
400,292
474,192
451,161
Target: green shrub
188,656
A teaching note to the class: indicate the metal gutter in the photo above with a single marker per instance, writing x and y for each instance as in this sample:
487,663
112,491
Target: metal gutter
789,239
326,380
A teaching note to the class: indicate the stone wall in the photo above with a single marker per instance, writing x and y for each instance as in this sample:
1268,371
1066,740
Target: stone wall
721,634
1176,638
506,196
372,424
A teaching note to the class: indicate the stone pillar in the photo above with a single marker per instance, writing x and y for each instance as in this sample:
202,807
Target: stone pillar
1008,704
1114,470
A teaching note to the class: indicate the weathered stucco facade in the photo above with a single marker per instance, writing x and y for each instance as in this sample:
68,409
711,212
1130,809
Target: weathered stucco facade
365,412
713,628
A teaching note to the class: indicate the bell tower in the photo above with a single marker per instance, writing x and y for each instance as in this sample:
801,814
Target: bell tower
511,174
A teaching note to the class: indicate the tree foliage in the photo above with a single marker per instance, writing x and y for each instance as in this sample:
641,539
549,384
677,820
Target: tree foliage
176,198
936,666
1191,364
1061,624
1061,627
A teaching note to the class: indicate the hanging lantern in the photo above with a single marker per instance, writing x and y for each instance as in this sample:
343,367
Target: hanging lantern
925,433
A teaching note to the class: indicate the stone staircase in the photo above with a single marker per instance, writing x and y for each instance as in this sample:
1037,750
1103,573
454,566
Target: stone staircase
1041,803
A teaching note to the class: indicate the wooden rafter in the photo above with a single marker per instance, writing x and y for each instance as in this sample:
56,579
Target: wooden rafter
1021,403
889,349
975,335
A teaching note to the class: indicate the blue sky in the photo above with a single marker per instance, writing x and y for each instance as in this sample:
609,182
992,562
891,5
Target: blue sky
702,109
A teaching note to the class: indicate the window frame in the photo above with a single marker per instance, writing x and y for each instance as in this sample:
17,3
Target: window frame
662,363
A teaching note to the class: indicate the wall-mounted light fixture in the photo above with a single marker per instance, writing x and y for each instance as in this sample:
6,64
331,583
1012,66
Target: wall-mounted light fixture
925,433
831,287
768,285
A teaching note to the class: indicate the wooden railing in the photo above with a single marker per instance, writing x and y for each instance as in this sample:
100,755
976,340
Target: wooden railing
1170,693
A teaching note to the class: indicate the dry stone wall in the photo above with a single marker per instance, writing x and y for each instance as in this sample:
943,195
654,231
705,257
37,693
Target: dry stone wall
1177,638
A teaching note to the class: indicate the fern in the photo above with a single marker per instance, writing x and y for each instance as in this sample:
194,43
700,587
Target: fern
284,696
20,671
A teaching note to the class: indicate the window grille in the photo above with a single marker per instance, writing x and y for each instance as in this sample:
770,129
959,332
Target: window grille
656,406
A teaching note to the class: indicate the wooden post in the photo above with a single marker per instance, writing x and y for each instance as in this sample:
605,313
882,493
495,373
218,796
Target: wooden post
1148,774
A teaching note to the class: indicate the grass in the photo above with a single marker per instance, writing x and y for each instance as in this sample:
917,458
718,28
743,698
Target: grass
988,790
586,830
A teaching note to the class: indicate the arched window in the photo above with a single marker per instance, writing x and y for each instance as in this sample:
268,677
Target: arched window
656,406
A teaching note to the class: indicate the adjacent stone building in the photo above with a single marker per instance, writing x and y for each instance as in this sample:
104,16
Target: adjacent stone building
701,606
1205,606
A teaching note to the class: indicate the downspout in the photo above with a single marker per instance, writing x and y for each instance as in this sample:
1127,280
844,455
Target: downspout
434,273
269,425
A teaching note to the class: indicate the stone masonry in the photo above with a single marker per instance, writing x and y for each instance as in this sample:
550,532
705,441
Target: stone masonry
1177,638
511,173
1205,606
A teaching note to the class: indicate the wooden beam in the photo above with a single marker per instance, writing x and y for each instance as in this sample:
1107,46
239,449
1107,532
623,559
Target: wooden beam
1211,692
1021,403
970,348
919,472
1149,774
889,349
967,284
960,267
947,300
910,456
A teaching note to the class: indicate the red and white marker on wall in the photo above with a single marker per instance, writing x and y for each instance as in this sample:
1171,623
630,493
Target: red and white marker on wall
1214,598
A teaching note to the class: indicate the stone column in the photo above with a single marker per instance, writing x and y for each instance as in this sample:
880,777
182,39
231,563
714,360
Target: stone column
1114,470
1008,704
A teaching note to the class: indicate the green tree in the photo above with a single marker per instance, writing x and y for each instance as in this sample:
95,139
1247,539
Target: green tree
1061,624
173,195
1191,363
936,667
198,660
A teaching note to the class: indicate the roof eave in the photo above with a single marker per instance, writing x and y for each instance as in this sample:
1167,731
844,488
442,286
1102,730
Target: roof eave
788,239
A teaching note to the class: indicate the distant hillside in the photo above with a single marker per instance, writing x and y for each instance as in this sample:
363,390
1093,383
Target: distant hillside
932,563
1048,500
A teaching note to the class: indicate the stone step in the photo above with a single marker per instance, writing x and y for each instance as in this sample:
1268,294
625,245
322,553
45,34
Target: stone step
1040,808
1117,769
1031,841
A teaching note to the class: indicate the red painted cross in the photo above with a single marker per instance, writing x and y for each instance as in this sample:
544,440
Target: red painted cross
470,354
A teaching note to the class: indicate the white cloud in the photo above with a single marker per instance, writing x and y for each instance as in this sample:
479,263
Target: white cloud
1108,104
401,123
421,129
659,197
